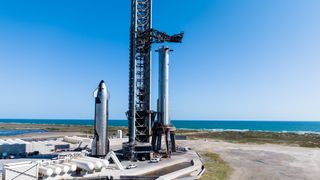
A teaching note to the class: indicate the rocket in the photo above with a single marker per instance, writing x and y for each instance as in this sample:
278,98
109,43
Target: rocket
100,143
163,125
163,97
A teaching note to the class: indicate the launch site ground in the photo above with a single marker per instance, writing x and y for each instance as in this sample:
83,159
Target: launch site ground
245,155
181,164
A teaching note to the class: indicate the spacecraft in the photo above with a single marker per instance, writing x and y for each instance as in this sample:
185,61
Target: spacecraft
100,143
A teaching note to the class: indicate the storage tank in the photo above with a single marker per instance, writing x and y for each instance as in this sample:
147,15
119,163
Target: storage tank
45,171
88,166
119,134
56,170
64,168
72,166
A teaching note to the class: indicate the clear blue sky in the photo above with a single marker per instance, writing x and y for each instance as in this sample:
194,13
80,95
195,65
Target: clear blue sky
249,59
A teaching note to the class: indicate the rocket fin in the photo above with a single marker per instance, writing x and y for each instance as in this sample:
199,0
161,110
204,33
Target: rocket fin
95,93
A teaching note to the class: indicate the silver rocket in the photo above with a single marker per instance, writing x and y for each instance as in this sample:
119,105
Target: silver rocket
163,97
100,143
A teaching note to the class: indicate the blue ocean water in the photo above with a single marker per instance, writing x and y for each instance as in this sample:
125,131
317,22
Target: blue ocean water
12,132
214,125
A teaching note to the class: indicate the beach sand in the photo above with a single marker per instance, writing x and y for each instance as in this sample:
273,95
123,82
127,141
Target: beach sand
263,161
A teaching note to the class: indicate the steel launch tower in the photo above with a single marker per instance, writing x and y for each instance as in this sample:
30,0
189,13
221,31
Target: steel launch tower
140,116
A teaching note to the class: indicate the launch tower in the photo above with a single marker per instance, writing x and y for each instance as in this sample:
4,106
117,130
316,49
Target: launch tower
140,116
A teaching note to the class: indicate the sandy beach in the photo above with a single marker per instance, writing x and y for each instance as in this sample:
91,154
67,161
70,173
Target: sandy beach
263,161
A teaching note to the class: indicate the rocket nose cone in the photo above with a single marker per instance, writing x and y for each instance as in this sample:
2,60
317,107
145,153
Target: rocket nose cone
102,86
101,83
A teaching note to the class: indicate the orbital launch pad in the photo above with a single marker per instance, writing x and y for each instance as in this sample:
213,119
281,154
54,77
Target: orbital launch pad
146,127
151,135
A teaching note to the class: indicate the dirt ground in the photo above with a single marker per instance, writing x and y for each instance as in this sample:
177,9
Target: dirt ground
263,161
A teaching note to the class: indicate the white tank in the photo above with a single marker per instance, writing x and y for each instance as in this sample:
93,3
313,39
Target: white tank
104,162
45,171
71,139
56,170
119,134
64,168
96,162
86,165
72,166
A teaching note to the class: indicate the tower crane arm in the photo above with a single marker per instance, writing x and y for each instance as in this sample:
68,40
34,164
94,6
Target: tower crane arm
160,37
151,36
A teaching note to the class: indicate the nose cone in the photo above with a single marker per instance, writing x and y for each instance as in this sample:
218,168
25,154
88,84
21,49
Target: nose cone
102,88
101,82
102,85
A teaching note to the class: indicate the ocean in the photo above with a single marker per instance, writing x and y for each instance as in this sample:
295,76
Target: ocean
12,132
213,125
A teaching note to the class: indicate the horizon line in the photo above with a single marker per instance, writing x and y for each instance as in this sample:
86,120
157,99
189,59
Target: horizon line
82,119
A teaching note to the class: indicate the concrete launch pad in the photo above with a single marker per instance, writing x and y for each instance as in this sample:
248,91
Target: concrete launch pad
181,164
185,164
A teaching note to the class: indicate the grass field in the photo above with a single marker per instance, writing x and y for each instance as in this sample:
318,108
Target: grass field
293,139
216,168
60,128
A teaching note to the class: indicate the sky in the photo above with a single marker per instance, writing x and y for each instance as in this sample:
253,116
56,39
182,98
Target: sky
239,60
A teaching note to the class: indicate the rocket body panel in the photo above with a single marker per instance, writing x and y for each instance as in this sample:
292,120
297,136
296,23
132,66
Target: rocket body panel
163,101
100,144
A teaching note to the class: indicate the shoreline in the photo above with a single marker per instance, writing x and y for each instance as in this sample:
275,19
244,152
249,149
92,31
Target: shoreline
299,127
61,127
256,137
228,154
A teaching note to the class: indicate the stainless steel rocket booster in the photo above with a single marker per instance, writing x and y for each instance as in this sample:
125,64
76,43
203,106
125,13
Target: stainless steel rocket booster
163,126
100,143
163,101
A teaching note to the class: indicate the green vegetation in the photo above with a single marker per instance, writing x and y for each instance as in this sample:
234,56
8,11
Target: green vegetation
60,128
216,168
303,140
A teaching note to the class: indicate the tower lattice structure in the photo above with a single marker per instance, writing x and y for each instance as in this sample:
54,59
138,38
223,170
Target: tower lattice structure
139,114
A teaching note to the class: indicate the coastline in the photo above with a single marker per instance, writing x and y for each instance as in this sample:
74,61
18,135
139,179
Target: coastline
256,137
299,127
227,154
